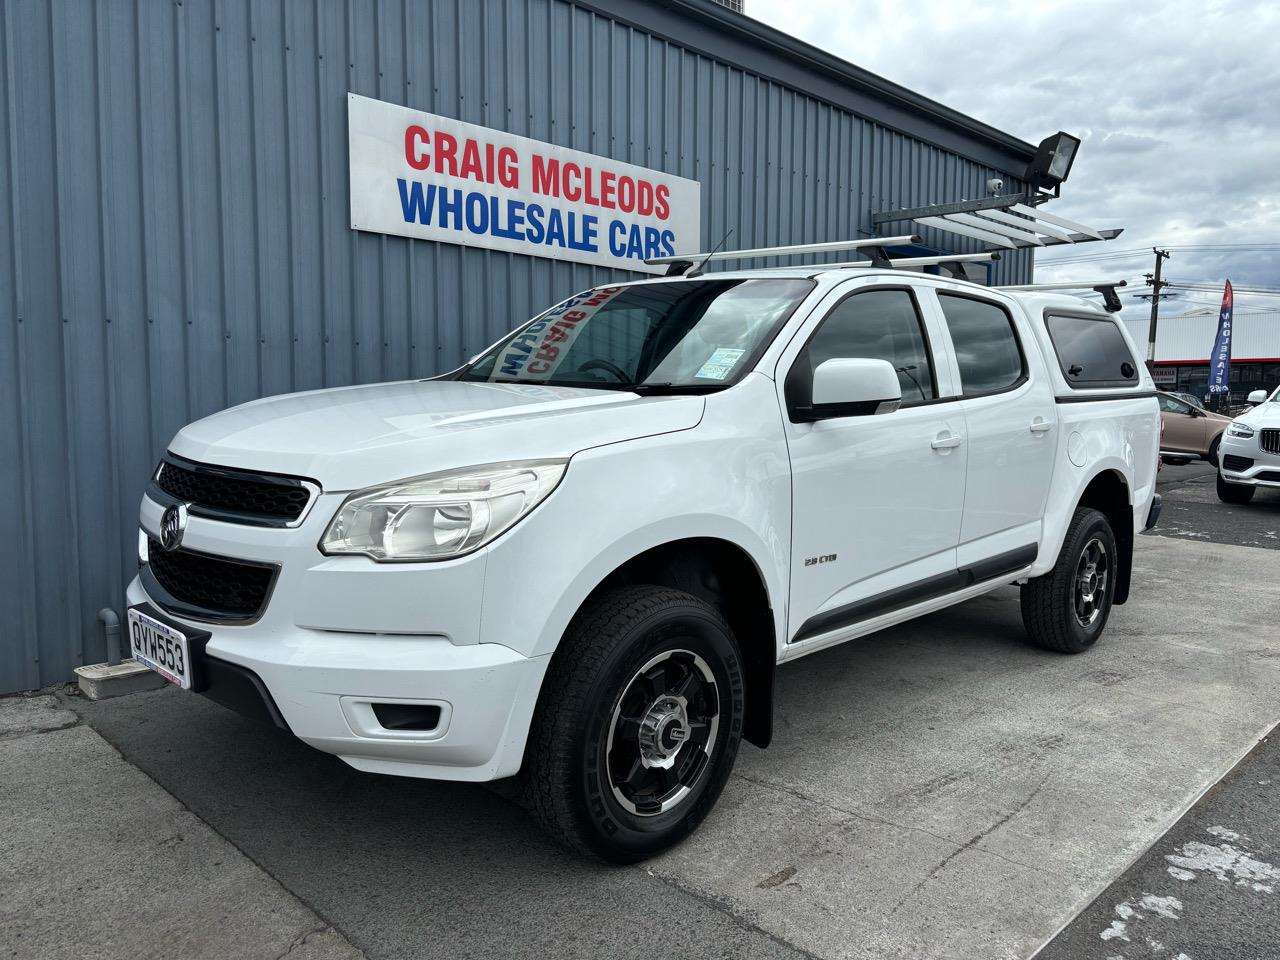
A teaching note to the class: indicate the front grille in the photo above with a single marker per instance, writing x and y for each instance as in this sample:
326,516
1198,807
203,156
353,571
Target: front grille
206,587
226,494
1271,476
1236,464
1270,440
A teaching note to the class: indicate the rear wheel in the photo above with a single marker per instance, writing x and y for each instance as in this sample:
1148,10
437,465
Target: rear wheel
1234,492
638,724
1067,608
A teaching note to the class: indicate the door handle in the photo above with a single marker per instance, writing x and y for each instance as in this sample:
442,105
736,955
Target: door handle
1039,425
947,442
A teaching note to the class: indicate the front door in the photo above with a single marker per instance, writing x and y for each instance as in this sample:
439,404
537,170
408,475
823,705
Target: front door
877,499
1183,430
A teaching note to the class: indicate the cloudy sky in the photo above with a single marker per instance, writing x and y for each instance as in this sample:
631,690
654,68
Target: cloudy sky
1178,104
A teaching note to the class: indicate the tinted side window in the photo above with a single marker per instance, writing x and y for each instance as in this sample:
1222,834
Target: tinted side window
986,345
1170,405
1092,351
878,324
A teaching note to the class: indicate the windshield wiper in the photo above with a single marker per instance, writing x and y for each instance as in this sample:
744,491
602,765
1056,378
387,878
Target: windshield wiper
644,389
656,389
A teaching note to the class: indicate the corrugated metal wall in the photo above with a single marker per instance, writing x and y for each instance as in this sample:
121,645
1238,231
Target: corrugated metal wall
173,195
1190,336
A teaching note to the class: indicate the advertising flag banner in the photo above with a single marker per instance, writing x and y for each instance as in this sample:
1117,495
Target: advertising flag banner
1220,359
416,174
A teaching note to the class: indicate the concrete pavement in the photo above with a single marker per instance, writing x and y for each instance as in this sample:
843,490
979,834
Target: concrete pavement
97,861
1208,890
945,791
939,790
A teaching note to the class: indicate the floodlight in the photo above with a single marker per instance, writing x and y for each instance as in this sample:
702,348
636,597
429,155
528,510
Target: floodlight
1052,161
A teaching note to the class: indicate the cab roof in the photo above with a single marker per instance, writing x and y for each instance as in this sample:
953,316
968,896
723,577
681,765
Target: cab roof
1033,301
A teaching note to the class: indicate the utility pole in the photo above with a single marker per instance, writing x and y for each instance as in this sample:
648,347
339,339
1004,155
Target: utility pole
1156,285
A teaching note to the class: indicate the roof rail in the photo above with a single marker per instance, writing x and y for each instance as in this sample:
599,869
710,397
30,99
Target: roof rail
682,264
1105,287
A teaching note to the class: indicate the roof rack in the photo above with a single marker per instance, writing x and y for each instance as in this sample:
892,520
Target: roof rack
1107,288
918,261
691,264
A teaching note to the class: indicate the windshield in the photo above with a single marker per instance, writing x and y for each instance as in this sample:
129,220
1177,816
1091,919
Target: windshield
691,334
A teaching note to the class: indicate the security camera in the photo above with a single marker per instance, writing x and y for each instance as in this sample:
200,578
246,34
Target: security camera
995,185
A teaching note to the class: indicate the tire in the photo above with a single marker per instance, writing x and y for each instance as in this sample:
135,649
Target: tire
1054,612
608,705
1212,455
1237,493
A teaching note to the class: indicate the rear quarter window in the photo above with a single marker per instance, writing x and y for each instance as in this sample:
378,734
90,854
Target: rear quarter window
1092,351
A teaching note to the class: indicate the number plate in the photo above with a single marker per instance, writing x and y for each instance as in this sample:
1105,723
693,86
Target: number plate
160,647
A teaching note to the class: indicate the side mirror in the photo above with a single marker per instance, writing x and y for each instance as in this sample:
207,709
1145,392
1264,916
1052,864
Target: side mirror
1257,397
854,388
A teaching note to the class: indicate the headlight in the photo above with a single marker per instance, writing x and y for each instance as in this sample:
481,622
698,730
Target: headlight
441,515
1239,430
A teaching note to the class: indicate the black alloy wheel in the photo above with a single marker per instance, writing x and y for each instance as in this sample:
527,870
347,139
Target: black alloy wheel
1066,609
638,723
663,733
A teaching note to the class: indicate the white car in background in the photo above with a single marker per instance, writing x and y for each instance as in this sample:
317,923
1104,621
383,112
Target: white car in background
1249,455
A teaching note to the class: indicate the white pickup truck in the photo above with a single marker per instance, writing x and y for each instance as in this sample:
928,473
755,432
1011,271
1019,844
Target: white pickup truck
579,558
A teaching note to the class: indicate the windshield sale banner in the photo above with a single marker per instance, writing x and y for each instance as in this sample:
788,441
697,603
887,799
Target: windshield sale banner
415,174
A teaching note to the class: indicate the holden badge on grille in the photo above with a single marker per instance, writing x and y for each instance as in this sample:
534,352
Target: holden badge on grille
173,524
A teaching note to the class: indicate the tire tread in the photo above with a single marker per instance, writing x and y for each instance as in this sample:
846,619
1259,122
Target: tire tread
549,764
1234,493
1045,604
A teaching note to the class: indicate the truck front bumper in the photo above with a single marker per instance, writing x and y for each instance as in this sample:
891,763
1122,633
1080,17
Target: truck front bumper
323,686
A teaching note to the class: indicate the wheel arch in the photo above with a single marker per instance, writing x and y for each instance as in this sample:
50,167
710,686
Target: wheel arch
1109,493
725,575
1212,452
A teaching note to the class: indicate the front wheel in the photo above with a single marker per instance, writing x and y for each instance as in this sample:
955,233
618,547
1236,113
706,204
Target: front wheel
1066,609
1212,455
638,724
1234,492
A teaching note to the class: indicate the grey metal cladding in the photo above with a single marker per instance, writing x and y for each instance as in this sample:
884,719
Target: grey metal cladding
702,26
175,234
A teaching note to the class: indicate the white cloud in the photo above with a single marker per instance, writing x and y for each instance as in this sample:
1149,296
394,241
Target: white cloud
1175,103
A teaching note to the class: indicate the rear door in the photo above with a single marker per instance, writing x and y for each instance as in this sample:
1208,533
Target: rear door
1011,422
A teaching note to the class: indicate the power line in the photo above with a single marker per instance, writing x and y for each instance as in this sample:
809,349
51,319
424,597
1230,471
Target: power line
1243,247
1205,246
1125,258
1211,287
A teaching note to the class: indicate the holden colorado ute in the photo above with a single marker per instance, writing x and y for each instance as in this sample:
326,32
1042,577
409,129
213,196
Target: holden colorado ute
579,558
